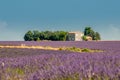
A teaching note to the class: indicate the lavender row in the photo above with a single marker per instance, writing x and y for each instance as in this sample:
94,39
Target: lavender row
53,67
83,44
35,64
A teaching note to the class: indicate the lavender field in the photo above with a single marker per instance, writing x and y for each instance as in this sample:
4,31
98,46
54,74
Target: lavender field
39,64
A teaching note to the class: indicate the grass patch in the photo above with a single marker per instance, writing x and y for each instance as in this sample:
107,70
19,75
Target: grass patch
75,49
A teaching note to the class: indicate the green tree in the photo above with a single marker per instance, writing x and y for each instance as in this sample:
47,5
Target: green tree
90,32
87,31
36,35
56,35
28,36
84,38
62,35
45,35
98,36
42,36
52,36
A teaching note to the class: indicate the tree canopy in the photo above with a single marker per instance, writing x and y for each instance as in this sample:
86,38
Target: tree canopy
90,32
28,36
45,35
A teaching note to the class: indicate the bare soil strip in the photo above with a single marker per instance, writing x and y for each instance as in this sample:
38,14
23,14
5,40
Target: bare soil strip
72,49
31,47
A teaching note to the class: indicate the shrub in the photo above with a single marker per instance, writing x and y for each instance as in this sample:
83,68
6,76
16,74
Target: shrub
85,50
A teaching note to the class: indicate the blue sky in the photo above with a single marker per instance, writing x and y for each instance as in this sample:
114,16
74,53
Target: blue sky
19,16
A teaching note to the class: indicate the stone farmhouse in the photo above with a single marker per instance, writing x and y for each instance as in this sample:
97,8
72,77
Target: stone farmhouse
75,36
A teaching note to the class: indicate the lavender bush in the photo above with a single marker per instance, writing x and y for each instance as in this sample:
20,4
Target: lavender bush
36,64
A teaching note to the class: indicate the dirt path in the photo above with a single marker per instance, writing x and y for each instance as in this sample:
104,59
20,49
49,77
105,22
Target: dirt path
31,47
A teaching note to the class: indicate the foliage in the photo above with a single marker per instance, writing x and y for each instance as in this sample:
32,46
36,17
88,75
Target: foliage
75,49
28,36
98,36
90,32
45,35
86,50
84,38
36,35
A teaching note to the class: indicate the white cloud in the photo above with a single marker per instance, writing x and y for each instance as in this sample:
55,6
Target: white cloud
112,32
